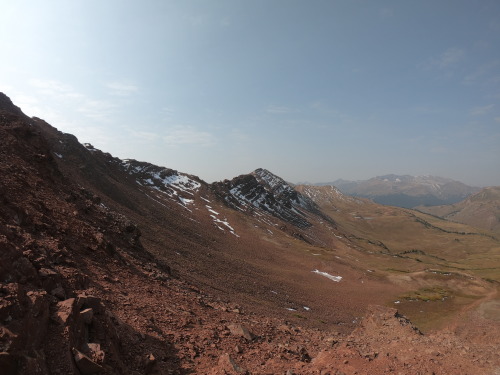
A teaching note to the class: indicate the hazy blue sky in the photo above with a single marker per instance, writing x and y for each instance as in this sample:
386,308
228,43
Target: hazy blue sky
311,90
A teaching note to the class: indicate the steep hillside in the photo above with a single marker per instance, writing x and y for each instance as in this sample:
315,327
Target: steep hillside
407,191
251,241
480,210
112,266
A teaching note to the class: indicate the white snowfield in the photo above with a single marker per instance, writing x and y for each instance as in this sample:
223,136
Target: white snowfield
326,274
177,181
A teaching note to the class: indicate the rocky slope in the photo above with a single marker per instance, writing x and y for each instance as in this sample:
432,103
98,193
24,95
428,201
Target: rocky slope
263,192
481,210
407,191
122,267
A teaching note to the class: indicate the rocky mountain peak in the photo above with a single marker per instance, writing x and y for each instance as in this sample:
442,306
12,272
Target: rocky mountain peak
262,191
268,178
276,185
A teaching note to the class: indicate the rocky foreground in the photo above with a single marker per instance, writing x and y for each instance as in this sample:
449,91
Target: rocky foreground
79,294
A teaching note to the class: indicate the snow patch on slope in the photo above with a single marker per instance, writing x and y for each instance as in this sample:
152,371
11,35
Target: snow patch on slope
327,275
165,180
218,221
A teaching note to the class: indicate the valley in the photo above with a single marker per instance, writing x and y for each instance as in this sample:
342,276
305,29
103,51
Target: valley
249,275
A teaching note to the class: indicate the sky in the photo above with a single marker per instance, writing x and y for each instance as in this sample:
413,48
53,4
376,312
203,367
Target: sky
311,90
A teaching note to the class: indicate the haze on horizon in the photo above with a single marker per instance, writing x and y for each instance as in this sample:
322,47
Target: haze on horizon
312,91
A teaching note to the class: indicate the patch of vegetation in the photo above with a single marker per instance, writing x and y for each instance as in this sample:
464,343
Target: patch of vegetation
444,273
414,251
366,240
420,252
427,294
396,270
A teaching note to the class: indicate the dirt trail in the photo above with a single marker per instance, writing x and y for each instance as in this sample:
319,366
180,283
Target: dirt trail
463,314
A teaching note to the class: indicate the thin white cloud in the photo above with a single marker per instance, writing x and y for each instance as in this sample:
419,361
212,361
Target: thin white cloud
450,56
166,113
439,150
386,12
479,111
198,20
144,136
96,109
426,110
486,73
445,60
278,109
121,88
225,22
188,135
63,95
239,136
55,88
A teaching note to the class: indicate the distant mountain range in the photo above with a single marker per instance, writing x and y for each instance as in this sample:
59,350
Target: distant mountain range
406,191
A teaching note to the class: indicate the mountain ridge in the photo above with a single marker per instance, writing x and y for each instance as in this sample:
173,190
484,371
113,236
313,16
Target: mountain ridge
121,266
407,191
481,209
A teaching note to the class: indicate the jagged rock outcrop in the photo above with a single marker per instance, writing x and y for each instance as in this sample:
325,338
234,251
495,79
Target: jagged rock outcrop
262,191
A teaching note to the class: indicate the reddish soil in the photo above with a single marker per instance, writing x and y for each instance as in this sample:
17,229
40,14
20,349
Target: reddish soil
107,284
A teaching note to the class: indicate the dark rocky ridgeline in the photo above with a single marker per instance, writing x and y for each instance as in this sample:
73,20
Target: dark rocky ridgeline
263,191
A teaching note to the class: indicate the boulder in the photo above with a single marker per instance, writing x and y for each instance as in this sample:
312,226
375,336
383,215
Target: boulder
85,364
228,365
87,315
64,311
95,352
241,330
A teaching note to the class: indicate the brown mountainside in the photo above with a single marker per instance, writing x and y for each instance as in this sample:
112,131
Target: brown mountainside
481,210
122,267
